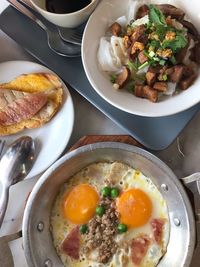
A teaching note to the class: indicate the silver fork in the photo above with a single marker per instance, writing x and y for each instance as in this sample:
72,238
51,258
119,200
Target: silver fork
2,145
55,43
73,36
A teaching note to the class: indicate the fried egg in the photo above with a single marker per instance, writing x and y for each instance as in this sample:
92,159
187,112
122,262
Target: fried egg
140,206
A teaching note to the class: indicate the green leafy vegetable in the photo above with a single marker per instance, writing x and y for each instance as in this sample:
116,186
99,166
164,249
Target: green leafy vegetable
156,16
130,87
173,60
161,31
162,62
179,42
143,65
113,78
164,77
154,44
132,65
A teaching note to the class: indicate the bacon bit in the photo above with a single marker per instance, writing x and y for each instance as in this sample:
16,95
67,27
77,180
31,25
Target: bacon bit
71,244
139,248
157,226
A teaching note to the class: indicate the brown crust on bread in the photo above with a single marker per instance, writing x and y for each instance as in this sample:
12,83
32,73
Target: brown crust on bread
48,83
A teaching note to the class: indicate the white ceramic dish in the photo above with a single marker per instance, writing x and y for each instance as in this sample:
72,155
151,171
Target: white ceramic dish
51,138
69,20
106,13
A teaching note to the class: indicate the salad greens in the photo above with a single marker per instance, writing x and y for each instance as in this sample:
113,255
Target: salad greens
156,16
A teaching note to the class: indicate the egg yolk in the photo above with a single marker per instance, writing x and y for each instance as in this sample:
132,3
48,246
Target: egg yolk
134,207
80,204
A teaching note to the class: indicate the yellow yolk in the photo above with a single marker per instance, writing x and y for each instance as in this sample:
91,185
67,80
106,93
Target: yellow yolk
80,204
134,207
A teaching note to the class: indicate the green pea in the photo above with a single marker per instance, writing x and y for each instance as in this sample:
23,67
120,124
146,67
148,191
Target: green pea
106,191
122,228
114,192
83,228
100,211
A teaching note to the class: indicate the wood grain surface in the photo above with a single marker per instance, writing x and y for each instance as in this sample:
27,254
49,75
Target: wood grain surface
91,139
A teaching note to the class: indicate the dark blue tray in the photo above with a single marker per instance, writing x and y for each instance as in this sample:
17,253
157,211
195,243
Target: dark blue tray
153,133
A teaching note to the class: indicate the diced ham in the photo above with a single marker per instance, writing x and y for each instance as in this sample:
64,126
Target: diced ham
71,244
157,226
22,108
139,247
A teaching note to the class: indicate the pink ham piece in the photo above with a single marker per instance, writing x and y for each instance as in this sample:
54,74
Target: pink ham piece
71,244
157,226
139,247
22,108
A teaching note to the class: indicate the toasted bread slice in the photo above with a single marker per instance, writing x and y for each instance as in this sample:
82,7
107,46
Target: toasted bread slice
54,101
33,82
27,84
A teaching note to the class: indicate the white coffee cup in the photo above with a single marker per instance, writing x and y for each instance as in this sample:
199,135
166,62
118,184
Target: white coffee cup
69,20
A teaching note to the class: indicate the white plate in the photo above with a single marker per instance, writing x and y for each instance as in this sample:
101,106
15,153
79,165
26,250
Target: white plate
106,13
52,137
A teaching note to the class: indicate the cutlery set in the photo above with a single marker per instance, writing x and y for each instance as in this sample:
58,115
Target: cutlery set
63,41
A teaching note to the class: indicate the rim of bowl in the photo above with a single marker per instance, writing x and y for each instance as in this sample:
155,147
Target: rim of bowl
165,112
63,14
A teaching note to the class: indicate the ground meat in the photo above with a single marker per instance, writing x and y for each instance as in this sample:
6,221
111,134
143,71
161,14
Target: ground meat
101,232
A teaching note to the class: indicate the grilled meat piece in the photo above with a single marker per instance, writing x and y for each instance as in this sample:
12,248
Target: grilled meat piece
150,77
115,29
142,11
142,58
123,77
177,73
160,86
170,10
145,91
187,82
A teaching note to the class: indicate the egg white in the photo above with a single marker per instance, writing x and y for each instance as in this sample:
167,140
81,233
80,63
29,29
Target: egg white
124,177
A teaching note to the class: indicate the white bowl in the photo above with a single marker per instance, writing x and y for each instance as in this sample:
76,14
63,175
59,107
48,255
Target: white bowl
69,20
106,13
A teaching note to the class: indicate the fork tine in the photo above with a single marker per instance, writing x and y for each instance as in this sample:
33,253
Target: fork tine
70,35
2,144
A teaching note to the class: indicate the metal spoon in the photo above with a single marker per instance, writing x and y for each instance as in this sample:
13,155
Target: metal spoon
14,166
55,43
